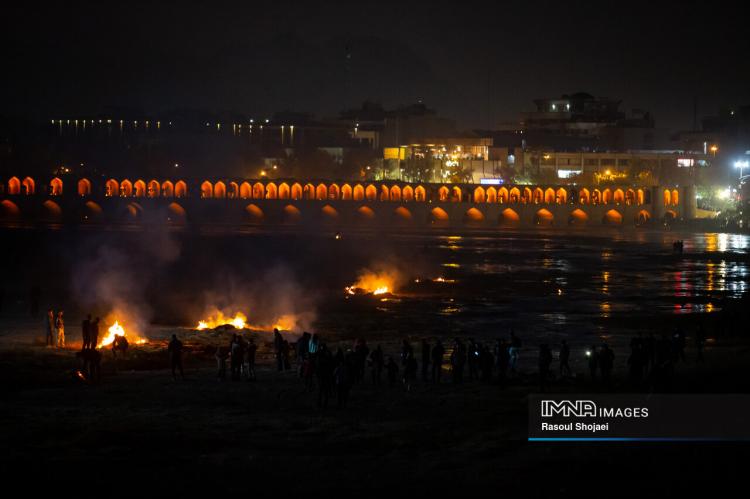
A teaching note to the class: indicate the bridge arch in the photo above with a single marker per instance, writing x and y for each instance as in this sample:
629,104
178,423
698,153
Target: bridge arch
538,195
491,195
29,186
272,191
642,217
578,217
153,190
667,197
618,196
14,186
346,192
544,217
135,210
233,192
675,197
670,216
329,213
84,187
220,190
140,188
443,193
480,195
207,189
334,192
371,193
509,217
420,194
561,196
640,197
473,216
407,194
365,213
612,217
10,209
259,190
167,189
176,214
111,187
292,215
126,188
246,191
255,214
385,193
402,214
503,195
395,193
309,192
180,189
93,210
438,216
549,196
596,197
527,196
56,187
321,192
296,191
284,190
584,196
514,195
358,193
630,197
456,194
606,196
52,209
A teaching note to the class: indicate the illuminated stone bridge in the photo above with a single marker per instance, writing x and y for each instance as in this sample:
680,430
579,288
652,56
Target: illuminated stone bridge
77,200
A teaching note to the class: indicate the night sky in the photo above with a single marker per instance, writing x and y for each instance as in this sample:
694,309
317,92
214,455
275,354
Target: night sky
481,63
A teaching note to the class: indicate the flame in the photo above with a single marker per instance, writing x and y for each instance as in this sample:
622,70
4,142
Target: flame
115,330
376,283
217,318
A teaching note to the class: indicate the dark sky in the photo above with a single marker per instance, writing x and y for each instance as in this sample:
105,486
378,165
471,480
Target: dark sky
476,62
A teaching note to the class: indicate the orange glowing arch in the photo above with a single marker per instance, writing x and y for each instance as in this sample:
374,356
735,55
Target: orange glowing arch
207,189
612,217
254,212
509,217
296,191
154,189
480,196
578,217
309,192
14,186
84,187
584,196
407,194
140,188
385,193
234,190
346,192
358,193
321,192
402,214
473,216
365,213
56,187
544,217
180,189
271,191
549,196
438,216
126,188
618,196
371,193
284,191
395,194
29,186
220,190
491,195
334,192
259,191
167,189
420,194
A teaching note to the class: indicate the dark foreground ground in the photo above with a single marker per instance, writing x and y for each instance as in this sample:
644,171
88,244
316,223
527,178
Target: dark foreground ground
141,432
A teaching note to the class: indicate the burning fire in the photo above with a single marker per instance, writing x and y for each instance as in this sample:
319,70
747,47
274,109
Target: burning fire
217,318
376,283
115,330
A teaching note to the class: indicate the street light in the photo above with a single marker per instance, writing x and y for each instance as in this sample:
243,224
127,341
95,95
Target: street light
741,164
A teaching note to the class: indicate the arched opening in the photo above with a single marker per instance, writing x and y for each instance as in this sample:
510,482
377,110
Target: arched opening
334,192
246,191
175,213
596,197
584,196
321,192
365,213
527,196
271,191
509,217
153,190
93,210
167,189
640,197
346,192
284,190
207,190
84,187
630,197
612,217
402,214
359,193
126,188
407,194
670,216
309,192
606,196
619,196
473,216
480,196
259,191
292,215
549,196
420,194
395,193
538,195
371,193
667,197
675,197
135,210
544,218
111,187
29,186
56,187
561,196
52,209
491,195
234,190
140,188
14,186
443,193
578,217
254,213
503,196
296,191
220,190
514,196
329,213
438,216
10,209
180,189
642,217
456,194
385,193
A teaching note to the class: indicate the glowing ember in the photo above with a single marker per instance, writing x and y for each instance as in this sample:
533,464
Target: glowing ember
115,330
376,283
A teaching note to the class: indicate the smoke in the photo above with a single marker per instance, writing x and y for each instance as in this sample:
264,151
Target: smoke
274,298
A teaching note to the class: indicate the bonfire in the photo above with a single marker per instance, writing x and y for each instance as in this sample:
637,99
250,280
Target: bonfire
373,283
217,319
116,330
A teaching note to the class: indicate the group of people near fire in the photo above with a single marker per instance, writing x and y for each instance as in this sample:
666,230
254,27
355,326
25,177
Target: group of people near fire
334,373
